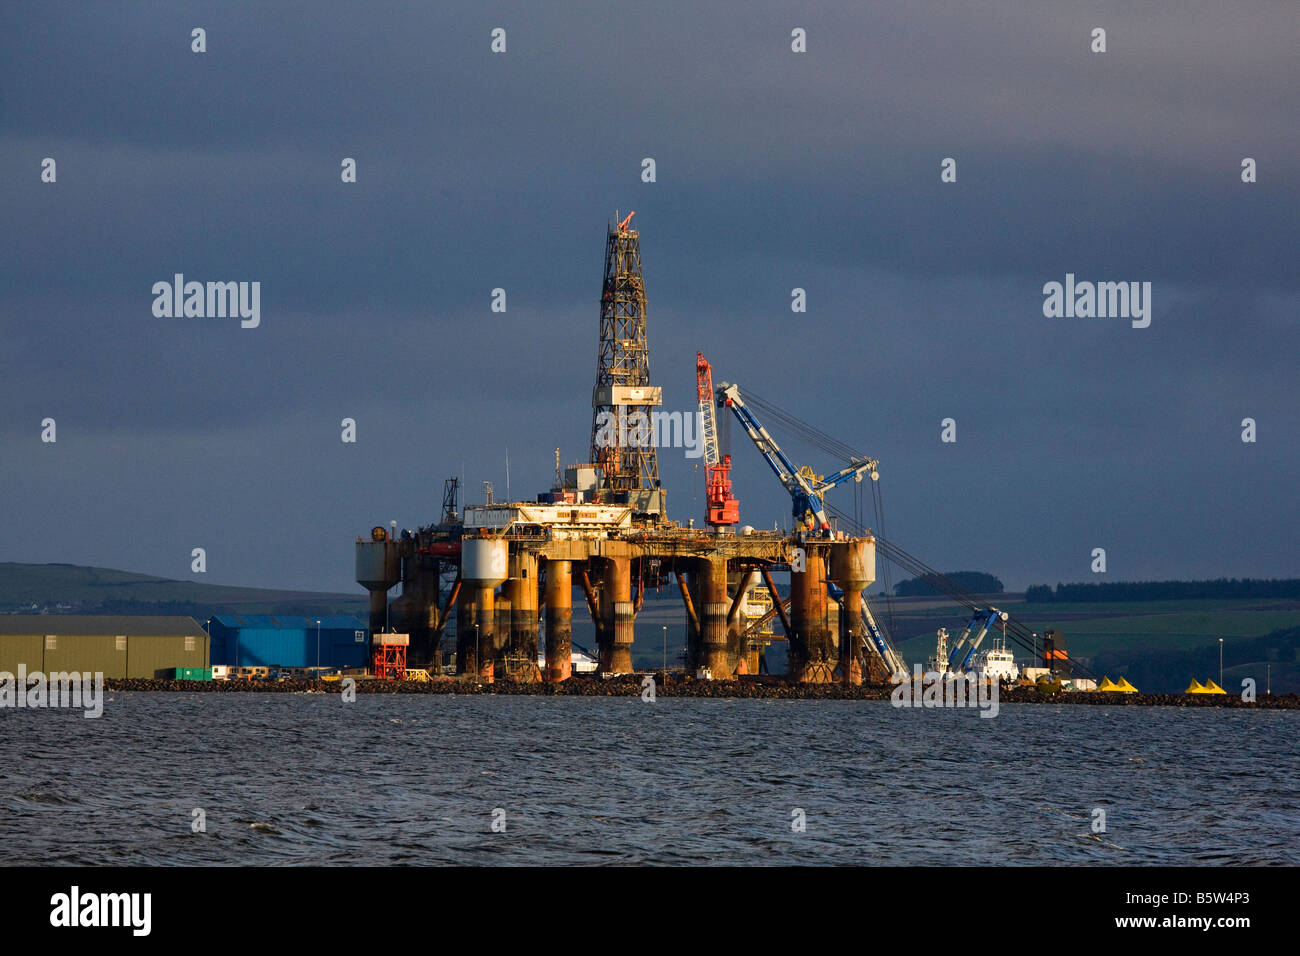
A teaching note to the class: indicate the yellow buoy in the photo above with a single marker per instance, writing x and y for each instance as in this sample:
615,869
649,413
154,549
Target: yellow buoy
1194,687
1125,687
1212,688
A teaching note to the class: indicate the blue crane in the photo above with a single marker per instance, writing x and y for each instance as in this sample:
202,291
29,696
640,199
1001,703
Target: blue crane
806,489
807,492
984,618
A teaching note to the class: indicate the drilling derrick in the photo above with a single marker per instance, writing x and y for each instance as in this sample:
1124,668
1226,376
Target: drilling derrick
623,400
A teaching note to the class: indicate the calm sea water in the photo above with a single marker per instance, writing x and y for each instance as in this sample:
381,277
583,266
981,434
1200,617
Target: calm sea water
297,779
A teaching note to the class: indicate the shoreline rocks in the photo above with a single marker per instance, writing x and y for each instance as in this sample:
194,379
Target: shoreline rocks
765,688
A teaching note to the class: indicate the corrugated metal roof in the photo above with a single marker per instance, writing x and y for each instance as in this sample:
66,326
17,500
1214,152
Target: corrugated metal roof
144,625
298,622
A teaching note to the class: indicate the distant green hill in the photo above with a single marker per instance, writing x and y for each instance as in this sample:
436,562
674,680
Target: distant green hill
70,588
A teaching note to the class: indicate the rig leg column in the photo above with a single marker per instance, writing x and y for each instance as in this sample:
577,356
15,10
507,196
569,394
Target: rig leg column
713,575
812,657
853,568
559,620
466,651
821,642
854,640
426,655
378,611
501,632
523,616
620,615
484,638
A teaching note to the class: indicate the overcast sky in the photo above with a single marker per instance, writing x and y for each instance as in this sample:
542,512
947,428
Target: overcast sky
775,170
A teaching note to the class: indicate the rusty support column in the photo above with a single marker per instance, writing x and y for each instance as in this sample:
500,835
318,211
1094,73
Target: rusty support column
484,638
559,620
853,639
820,668
501,630
522,647
853,568
712,575
812,658
618,617
466,657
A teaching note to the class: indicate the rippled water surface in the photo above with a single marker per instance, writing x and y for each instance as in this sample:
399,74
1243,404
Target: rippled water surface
289,779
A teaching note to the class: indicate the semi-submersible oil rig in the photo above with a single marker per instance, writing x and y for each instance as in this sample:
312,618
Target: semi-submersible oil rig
506,569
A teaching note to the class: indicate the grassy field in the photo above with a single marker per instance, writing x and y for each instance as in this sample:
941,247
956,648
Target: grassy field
1173,631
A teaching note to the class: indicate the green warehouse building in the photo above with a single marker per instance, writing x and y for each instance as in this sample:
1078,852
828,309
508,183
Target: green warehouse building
117,647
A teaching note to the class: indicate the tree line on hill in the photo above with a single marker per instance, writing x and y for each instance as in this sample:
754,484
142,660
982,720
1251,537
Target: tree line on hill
977,582
1219,589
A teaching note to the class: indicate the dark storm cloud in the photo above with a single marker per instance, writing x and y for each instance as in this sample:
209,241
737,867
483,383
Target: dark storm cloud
775,171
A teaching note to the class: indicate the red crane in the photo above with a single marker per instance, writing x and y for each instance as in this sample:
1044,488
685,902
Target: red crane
722,509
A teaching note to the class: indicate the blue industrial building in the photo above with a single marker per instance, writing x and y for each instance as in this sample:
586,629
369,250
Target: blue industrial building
283,640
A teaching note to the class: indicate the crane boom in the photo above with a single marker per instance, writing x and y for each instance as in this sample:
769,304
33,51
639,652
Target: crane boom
985,619
894,663
806,489
721,506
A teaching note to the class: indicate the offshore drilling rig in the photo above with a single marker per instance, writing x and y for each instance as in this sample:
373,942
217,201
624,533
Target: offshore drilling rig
507,569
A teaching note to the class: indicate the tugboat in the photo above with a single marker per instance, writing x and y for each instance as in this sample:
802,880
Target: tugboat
997,663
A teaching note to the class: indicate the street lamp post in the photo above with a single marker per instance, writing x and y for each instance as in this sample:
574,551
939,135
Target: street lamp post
318,643
478,654
1220,662
665,630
